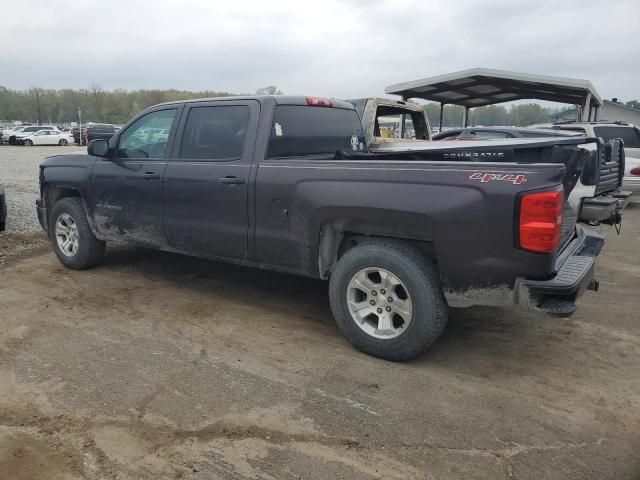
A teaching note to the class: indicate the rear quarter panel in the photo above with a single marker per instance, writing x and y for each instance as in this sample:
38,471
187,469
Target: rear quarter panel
470,223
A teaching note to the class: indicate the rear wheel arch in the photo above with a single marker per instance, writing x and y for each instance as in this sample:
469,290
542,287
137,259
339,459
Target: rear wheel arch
335,241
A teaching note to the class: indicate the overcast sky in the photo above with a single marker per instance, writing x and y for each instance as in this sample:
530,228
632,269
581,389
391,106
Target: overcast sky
330,48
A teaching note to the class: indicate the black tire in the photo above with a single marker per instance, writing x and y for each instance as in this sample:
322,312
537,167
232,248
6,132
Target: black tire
62,142
90,250
417,273
28,143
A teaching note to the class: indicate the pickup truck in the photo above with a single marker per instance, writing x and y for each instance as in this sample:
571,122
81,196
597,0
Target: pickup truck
288,184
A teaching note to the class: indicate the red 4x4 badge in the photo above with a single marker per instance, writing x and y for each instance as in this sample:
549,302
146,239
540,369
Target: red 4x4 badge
486,177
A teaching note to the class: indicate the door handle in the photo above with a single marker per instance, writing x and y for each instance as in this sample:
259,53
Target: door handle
150,175
231,180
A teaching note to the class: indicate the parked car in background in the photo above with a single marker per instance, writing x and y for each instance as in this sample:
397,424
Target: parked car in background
10,133
27,131
93,131
47,137
630,135
493,133
631,179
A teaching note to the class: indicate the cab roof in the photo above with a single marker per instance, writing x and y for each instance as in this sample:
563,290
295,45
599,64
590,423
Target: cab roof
279,100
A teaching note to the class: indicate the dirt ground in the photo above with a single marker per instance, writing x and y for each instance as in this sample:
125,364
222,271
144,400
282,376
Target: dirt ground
161,366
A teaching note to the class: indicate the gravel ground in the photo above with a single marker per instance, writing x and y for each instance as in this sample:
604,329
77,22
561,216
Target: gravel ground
160,366
19,174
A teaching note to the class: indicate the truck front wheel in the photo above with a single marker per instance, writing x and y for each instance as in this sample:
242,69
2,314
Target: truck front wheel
73,241
387,300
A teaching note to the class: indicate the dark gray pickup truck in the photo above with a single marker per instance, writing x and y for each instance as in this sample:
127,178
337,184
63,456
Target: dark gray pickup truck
287,183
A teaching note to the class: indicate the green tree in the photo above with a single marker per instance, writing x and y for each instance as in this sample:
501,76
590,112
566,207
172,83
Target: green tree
270,90
98,105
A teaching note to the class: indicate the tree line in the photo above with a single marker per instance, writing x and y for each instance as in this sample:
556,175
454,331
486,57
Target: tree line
517,115
39,105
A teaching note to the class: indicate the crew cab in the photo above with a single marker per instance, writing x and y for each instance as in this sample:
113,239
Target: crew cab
288,184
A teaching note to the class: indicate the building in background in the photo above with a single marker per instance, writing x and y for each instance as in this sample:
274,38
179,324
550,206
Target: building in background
611,110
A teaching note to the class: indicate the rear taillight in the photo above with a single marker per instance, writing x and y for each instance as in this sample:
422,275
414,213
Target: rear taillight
635,171
319,102
541,221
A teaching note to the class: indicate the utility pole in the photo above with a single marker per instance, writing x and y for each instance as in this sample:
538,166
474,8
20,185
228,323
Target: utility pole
80,126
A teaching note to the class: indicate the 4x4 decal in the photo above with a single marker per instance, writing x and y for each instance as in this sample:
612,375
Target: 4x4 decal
486,177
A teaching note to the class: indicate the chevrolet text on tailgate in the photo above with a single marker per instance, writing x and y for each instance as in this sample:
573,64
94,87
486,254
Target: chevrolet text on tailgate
287,183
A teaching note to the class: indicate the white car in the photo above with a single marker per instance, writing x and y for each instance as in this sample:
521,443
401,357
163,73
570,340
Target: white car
631,179
10,132
47,137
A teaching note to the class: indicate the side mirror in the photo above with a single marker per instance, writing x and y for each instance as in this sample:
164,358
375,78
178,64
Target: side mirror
99,148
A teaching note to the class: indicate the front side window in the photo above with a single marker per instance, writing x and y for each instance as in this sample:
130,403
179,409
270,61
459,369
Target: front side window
630,135
214,133
140,140
300,130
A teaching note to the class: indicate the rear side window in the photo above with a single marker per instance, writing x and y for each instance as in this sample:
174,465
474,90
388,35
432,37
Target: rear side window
300,130
630,135
215,133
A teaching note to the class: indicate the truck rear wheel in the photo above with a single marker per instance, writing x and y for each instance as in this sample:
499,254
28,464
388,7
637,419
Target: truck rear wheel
73,241
387,300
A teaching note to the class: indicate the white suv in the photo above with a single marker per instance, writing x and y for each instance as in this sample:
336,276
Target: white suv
630,135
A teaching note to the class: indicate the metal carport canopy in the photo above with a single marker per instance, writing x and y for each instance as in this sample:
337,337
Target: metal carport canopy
477,87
